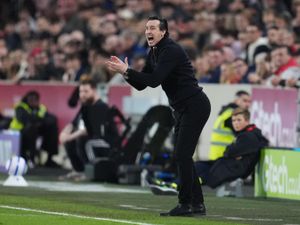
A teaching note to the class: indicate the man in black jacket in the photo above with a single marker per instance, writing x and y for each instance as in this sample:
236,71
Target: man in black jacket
168,65
93,122
241,156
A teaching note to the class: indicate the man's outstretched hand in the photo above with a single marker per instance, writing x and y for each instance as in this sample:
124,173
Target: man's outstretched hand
116,65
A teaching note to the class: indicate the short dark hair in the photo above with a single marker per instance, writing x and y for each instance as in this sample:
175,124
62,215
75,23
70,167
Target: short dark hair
88,80
240,111
241,92
32,93
275,47
163,24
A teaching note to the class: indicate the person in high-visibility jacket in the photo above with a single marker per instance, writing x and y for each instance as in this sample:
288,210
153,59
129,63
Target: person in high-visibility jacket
33,121
223,132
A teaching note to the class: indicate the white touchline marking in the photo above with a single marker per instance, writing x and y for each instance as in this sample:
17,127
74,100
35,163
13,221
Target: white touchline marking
139,208
73,215
252,219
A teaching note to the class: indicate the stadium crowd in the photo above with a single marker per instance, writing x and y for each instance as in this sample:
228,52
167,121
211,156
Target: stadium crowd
228,41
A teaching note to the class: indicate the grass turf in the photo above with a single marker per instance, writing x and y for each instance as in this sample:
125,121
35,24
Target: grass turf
135,208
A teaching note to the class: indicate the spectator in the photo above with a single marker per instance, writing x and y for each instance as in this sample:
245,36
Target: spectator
73,69
285,67
262,71
239,160
201,69
227,73
215,59
241,70
257,44
273,35
223,133
241,156
93,121
33,121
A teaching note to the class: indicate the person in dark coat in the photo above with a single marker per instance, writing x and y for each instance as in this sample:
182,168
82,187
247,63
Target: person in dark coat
168,65
33,120
241,156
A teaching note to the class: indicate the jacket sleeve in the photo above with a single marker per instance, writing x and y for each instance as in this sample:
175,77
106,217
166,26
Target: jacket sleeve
21,115
166,63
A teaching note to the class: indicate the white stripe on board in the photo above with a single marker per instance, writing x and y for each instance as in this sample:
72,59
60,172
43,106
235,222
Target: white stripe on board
73,215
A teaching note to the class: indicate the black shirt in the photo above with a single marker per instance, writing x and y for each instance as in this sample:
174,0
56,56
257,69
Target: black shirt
167,65
98,121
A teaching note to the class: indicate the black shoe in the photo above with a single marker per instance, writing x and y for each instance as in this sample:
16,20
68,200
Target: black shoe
51,164
179,210
199,209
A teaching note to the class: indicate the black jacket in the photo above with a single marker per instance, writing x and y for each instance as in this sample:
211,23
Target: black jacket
167,65
239,158
98,121
248,141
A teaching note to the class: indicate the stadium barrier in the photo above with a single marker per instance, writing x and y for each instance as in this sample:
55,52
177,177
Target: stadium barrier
277,174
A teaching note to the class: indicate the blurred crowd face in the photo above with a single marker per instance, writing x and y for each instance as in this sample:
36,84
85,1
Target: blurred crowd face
273,35
239,122
153,32
201,66
112,44
215,58
280,56
66,8
240,67
3,49
244,101
253,33
87,94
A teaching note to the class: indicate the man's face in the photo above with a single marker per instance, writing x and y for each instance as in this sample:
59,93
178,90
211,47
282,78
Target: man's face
240,67
86,94
280,56
33,101
244,101
272,36
239,122
253,33
153,33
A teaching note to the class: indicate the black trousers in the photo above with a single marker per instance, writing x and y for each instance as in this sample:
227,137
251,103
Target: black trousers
47,128
228,169
76,152
190,119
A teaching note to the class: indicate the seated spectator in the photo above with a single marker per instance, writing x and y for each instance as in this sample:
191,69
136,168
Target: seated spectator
258,45
285,67
223,132
33,121
262,71
215,59
239,160
93,121
242,70
241,156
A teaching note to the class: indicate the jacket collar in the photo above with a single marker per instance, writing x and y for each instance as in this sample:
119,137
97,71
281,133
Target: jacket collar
161,43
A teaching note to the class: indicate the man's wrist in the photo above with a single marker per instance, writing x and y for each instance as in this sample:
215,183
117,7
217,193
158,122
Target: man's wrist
125,74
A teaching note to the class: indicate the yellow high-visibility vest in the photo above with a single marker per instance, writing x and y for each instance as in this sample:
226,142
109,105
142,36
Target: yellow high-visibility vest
18,125
221,136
